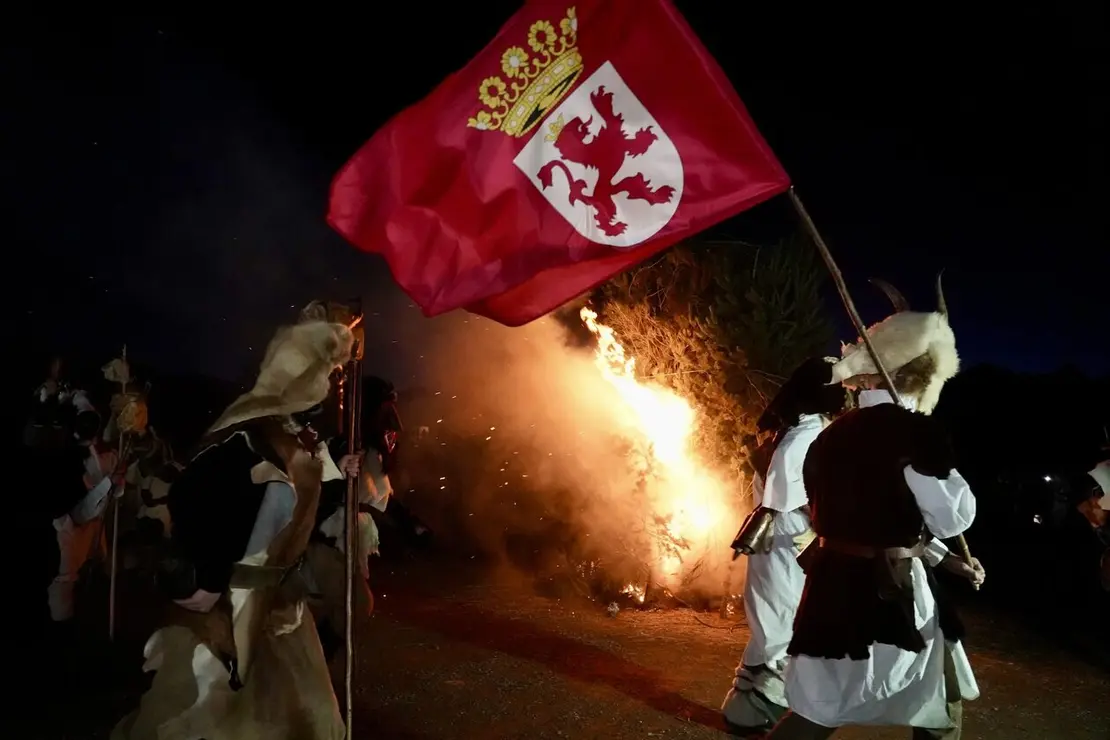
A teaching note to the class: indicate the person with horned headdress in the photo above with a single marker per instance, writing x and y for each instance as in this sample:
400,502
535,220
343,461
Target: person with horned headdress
801,409
238,655
875,641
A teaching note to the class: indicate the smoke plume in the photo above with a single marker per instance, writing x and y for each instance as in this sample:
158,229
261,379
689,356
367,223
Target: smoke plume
521,451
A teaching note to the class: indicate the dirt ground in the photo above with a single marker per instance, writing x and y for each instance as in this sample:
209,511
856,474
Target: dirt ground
486,658
454,653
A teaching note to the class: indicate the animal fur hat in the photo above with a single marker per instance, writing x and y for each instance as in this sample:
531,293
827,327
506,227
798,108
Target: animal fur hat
918,350
338,313
295,372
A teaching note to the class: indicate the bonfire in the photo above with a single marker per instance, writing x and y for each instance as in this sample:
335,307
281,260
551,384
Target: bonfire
689,511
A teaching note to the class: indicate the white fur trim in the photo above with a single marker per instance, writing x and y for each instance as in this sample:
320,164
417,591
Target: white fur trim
900,339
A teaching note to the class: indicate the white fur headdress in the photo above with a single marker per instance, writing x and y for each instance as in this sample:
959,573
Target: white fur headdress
920,348
295,372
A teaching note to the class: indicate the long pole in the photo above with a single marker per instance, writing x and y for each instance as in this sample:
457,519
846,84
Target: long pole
853,314
353,403
115,521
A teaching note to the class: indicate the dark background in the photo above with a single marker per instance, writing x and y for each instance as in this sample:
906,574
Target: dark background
167,174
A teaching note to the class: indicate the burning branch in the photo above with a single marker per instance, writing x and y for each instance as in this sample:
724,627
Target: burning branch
685,501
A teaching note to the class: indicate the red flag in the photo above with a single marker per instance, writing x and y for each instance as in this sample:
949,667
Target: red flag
583,139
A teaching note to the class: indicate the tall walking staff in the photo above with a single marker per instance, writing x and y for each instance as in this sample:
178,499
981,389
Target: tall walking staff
352,407
124,378
857,322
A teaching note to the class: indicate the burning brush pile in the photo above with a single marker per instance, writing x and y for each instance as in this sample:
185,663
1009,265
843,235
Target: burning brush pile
689,512
562,462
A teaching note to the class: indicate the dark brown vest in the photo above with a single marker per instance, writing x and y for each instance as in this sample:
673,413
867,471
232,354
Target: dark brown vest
858,495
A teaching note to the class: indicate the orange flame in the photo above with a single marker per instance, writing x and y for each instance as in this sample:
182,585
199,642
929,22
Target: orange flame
691,507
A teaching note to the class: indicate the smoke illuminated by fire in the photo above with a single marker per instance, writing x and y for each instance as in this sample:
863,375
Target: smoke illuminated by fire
563,464
692,512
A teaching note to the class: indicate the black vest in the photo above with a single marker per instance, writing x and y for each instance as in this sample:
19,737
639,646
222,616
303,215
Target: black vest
213,505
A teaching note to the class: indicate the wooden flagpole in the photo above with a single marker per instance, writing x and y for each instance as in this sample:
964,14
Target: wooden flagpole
353,407
853,314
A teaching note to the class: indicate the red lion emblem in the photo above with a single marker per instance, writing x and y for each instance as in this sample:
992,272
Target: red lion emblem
606,153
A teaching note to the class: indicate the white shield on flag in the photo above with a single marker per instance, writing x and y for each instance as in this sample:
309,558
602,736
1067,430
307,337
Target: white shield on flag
602,160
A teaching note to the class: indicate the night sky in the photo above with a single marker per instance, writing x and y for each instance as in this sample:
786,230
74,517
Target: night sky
165,178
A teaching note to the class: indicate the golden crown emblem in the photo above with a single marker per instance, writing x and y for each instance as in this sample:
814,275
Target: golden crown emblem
531,83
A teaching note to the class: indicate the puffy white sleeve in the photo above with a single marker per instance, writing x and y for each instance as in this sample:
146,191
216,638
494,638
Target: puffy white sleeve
784,490
274,514
92,505
948,505
81,402
757,489
935,552
374,485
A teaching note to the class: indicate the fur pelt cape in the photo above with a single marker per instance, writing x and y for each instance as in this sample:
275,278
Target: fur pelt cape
294,377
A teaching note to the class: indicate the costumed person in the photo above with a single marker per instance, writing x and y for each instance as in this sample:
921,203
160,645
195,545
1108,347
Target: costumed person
1101,474
54,408
802,408
1096,498
1083,540
89,471
151,468
875,642
325,556
382,428
239,656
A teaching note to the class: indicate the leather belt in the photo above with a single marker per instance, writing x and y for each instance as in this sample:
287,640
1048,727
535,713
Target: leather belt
866,551
254,577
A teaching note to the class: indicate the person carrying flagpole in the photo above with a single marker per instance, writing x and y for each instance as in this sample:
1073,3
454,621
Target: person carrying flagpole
876,642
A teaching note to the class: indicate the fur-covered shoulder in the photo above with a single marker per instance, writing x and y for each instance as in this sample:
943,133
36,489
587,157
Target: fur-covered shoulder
295,373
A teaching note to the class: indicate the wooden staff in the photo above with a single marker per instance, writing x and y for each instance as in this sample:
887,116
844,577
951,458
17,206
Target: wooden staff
352,403
115,514
857,322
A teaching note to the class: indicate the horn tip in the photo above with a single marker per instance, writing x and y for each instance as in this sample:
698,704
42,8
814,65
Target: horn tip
942,303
